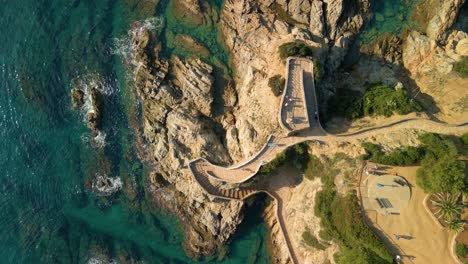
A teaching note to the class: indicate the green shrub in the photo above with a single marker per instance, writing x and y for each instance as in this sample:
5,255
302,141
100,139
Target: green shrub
461,250
276,84
279,160
377,100
464,139
401,156
461,67
340,218
317,71
310,240
324,235
326,171
440,169
294,49
383,100
444,174
346,103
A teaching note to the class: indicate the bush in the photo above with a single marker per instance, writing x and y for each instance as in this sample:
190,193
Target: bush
383,100
464,139
461,67
461,250
340,217
294,49
377,100
346,103
440,169
311,241
276,84
444,174
317,71
401,156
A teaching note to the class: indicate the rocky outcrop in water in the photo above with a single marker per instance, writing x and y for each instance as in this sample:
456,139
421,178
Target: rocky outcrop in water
177,128
88,98
77,97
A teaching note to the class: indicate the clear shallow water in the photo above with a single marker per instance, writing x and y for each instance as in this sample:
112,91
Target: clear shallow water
47,212
389,17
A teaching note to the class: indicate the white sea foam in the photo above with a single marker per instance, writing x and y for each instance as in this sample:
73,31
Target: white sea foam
124,47
97,260
100,139
105,186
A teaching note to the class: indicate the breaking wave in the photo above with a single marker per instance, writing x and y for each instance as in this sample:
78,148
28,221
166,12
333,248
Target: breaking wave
105,186
126,48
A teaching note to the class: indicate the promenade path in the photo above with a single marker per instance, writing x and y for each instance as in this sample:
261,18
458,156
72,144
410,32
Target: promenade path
295,114
304,126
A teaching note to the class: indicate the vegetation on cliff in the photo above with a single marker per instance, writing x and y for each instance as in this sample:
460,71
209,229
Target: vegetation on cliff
341,220
401,156
296,49
440,170
376,100
276,84
461,67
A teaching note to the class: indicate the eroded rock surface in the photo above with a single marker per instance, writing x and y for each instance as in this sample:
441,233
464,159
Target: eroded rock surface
177,128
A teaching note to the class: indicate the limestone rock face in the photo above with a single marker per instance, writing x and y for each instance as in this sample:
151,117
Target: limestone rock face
429,60
188,11
415,50
444,18
194,79
300,10
176,129
316,24
462,47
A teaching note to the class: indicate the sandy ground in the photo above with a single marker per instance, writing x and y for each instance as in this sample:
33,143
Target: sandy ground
298,196
428,243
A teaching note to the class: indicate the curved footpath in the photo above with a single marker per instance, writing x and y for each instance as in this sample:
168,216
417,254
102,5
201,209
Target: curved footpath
299,118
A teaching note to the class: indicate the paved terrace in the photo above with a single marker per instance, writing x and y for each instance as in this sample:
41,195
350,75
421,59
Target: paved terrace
295,111
212,178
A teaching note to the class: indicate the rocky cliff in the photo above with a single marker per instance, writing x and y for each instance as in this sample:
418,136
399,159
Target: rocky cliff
177,99
177,96
429,56
176,129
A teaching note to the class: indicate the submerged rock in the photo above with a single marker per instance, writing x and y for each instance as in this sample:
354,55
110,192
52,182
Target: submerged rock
77,97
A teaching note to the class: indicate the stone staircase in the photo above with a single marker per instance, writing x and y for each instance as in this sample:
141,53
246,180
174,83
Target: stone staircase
237,193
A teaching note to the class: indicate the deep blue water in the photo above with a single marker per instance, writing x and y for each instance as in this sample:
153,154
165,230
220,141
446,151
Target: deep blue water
48,212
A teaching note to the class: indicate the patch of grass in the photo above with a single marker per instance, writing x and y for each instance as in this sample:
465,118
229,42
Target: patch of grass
325,170
276,84
297,49
311,241
461,67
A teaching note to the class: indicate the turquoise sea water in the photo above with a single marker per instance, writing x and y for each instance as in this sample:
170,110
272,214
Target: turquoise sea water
48,211
388,17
